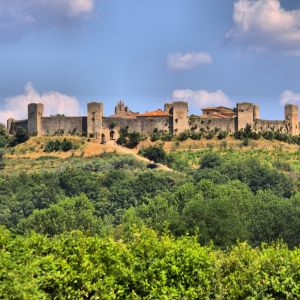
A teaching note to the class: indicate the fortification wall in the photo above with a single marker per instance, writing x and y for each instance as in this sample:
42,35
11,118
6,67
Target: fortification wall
150,123
270,125
18,123
144,125
69,125
208,124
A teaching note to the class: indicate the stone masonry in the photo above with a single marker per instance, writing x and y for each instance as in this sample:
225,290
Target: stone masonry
174,119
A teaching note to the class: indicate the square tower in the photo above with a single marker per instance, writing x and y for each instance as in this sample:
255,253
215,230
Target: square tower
292,119
94,119
35,115
179,119
245,115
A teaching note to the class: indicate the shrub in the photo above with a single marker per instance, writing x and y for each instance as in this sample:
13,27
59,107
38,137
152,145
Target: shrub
210,135
66,145
154,153
222,135
210,161
3,141
196,136
133,139
184,135
268,135
21,136
55,146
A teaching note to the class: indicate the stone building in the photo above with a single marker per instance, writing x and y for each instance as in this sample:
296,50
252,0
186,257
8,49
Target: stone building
174,118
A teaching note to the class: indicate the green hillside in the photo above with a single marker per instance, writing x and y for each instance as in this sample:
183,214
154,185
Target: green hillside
222,222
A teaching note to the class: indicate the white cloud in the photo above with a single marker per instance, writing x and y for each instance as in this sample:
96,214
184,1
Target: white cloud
22,16
289,97
55,102
185,61
264,24
202,98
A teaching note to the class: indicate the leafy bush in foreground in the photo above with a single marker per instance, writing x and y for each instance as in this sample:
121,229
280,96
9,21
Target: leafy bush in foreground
76,266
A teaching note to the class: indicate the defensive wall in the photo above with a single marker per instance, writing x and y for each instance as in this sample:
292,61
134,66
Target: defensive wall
174,118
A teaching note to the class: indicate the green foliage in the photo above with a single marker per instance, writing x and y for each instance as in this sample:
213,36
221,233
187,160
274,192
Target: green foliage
154,153
67,215
268,135
3,130
3,141
57,145
129,139
21,136
210,161
146,266
222,135
133,139
123,134
184,135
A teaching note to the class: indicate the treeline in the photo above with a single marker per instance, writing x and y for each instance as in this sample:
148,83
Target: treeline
142,265
221,201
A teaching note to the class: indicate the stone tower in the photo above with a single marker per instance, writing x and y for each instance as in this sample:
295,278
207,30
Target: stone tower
94,119
291,119
245,114
10,122
120,107
179,119
256,112
35,115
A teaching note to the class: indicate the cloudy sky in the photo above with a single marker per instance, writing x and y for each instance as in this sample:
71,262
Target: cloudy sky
66,53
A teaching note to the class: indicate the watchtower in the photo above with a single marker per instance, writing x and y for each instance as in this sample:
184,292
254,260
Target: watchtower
255,112
35,115
245,114
292,119
10,122
94,119
179,120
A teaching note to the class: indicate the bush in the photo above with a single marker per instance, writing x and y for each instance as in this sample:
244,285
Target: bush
196,136
3,141
222,135
144,266
21,136
184,135
56,146
133,139
154,153
268,135
210,161
210,135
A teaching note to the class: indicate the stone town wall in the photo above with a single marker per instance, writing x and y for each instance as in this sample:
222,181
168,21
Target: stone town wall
144,125
18,123
208,124
270,125
69,125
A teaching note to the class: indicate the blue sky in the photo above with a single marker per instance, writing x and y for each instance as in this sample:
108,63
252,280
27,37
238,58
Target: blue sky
145,52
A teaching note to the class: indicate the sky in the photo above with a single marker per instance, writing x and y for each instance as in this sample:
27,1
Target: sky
66,53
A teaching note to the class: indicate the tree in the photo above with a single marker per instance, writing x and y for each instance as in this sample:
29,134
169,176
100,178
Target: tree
154,153
21,135
3,141
133,139
3,130
210,161
69,214
1,160
66,145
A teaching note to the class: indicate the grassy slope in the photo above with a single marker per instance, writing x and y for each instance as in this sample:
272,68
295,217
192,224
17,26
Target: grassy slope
30,156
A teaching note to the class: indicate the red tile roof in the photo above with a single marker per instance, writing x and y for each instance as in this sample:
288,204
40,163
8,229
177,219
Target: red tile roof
155,113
